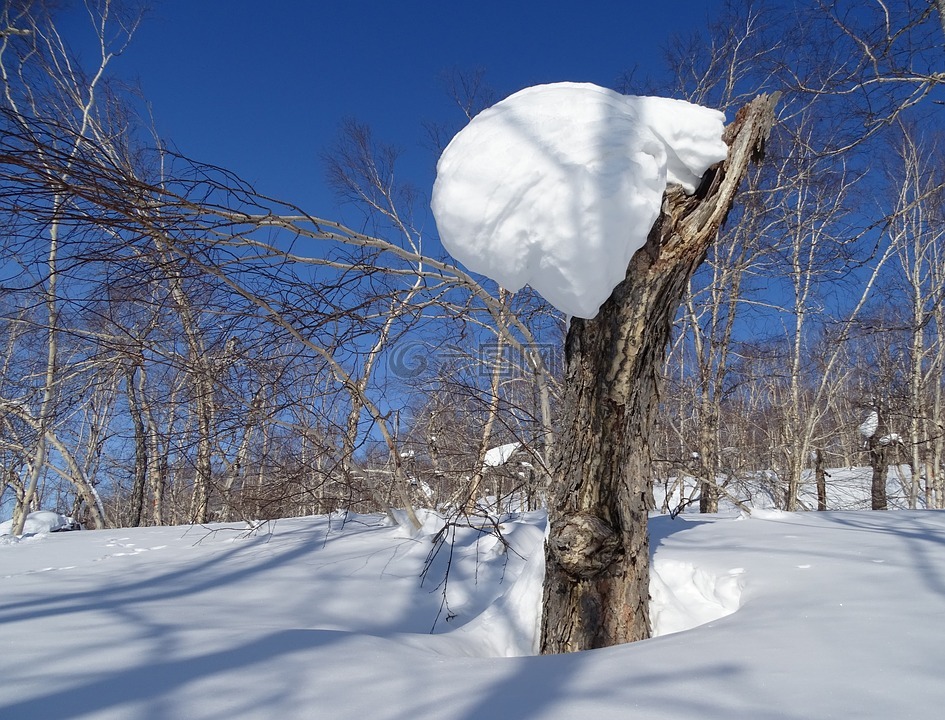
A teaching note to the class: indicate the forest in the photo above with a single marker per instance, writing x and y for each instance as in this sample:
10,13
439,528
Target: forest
178,347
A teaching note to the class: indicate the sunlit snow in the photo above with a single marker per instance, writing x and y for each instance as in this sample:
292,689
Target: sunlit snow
558,186
776,615
868,427
41,521
500,455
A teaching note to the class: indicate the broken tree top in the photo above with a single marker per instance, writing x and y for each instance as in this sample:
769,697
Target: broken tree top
557,186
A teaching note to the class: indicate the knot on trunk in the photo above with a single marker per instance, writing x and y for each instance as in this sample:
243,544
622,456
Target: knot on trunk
584,545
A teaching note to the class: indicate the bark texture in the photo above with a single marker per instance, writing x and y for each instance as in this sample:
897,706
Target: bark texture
820,474
596,589
140,476
878,446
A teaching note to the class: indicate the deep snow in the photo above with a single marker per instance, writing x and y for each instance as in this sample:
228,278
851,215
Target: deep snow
836,615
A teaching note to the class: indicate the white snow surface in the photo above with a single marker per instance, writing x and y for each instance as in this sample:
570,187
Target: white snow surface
558,185
777,615
500,455
868,427
40,521
848,488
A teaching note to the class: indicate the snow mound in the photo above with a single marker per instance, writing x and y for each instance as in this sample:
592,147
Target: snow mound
557,186
510,626
761,513
500,455
41,521
683,596
868,427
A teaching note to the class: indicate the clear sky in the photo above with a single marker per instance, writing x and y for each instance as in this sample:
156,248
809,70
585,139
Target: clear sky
262,87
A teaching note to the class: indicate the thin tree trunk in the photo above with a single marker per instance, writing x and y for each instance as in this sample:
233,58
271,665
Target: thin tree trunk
916,386
935,427
157,460
141,449
879,461
821,475
475,485
597,560
84,489
236,470
708,449
880,470
200,498
22,509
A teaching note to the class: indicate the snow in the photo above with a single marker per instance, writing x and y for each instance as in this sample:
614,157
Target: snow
685,596
500,455
847,489
776,615
41,521
868,427
558,185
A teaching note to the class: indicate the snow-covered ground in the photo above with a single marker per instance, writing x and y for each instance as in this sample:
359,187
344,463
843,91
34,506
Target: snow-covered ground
848,488
808,615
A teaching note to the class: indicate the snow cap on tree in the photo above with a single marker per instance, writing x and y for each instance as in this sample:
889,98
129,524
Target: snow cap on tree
557,186
868,427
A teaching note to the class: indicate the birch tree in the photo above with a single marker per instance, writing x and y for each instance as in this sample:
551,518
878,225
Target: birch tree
919,240
38,72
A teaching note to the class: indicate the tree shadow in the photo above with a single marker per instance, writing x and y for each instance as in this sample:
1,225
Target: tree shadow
922,532
157,679
177,584
582,685
662,527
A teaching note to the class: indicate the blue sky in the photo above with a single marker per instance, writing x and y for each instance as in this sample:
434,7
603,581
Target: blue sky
261,88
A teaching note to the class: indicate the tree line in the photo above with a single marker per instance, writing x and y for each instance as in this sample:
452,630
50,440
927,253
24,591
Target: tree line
178,347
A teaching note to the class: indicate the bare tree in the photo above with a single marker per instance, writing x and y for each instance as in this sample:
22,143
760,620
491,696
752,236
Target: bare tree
38,75
597,561
866,63
917,233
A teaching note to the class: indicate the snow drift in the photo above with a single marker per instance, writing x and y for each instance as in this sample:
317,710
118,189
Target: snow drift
40,521
838,615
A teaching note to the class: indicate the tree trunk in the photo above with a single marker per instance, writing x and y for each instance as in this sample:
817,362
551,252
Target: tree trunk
155,451
708,456
820,473
879,461
141,449
203,468
880,469
38,461
492,413
236,470
597,559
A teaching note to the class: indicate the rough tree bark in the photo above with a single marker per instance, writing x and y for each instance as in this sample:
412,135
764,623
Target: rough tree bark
140,475
820,475
878,445
596,589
